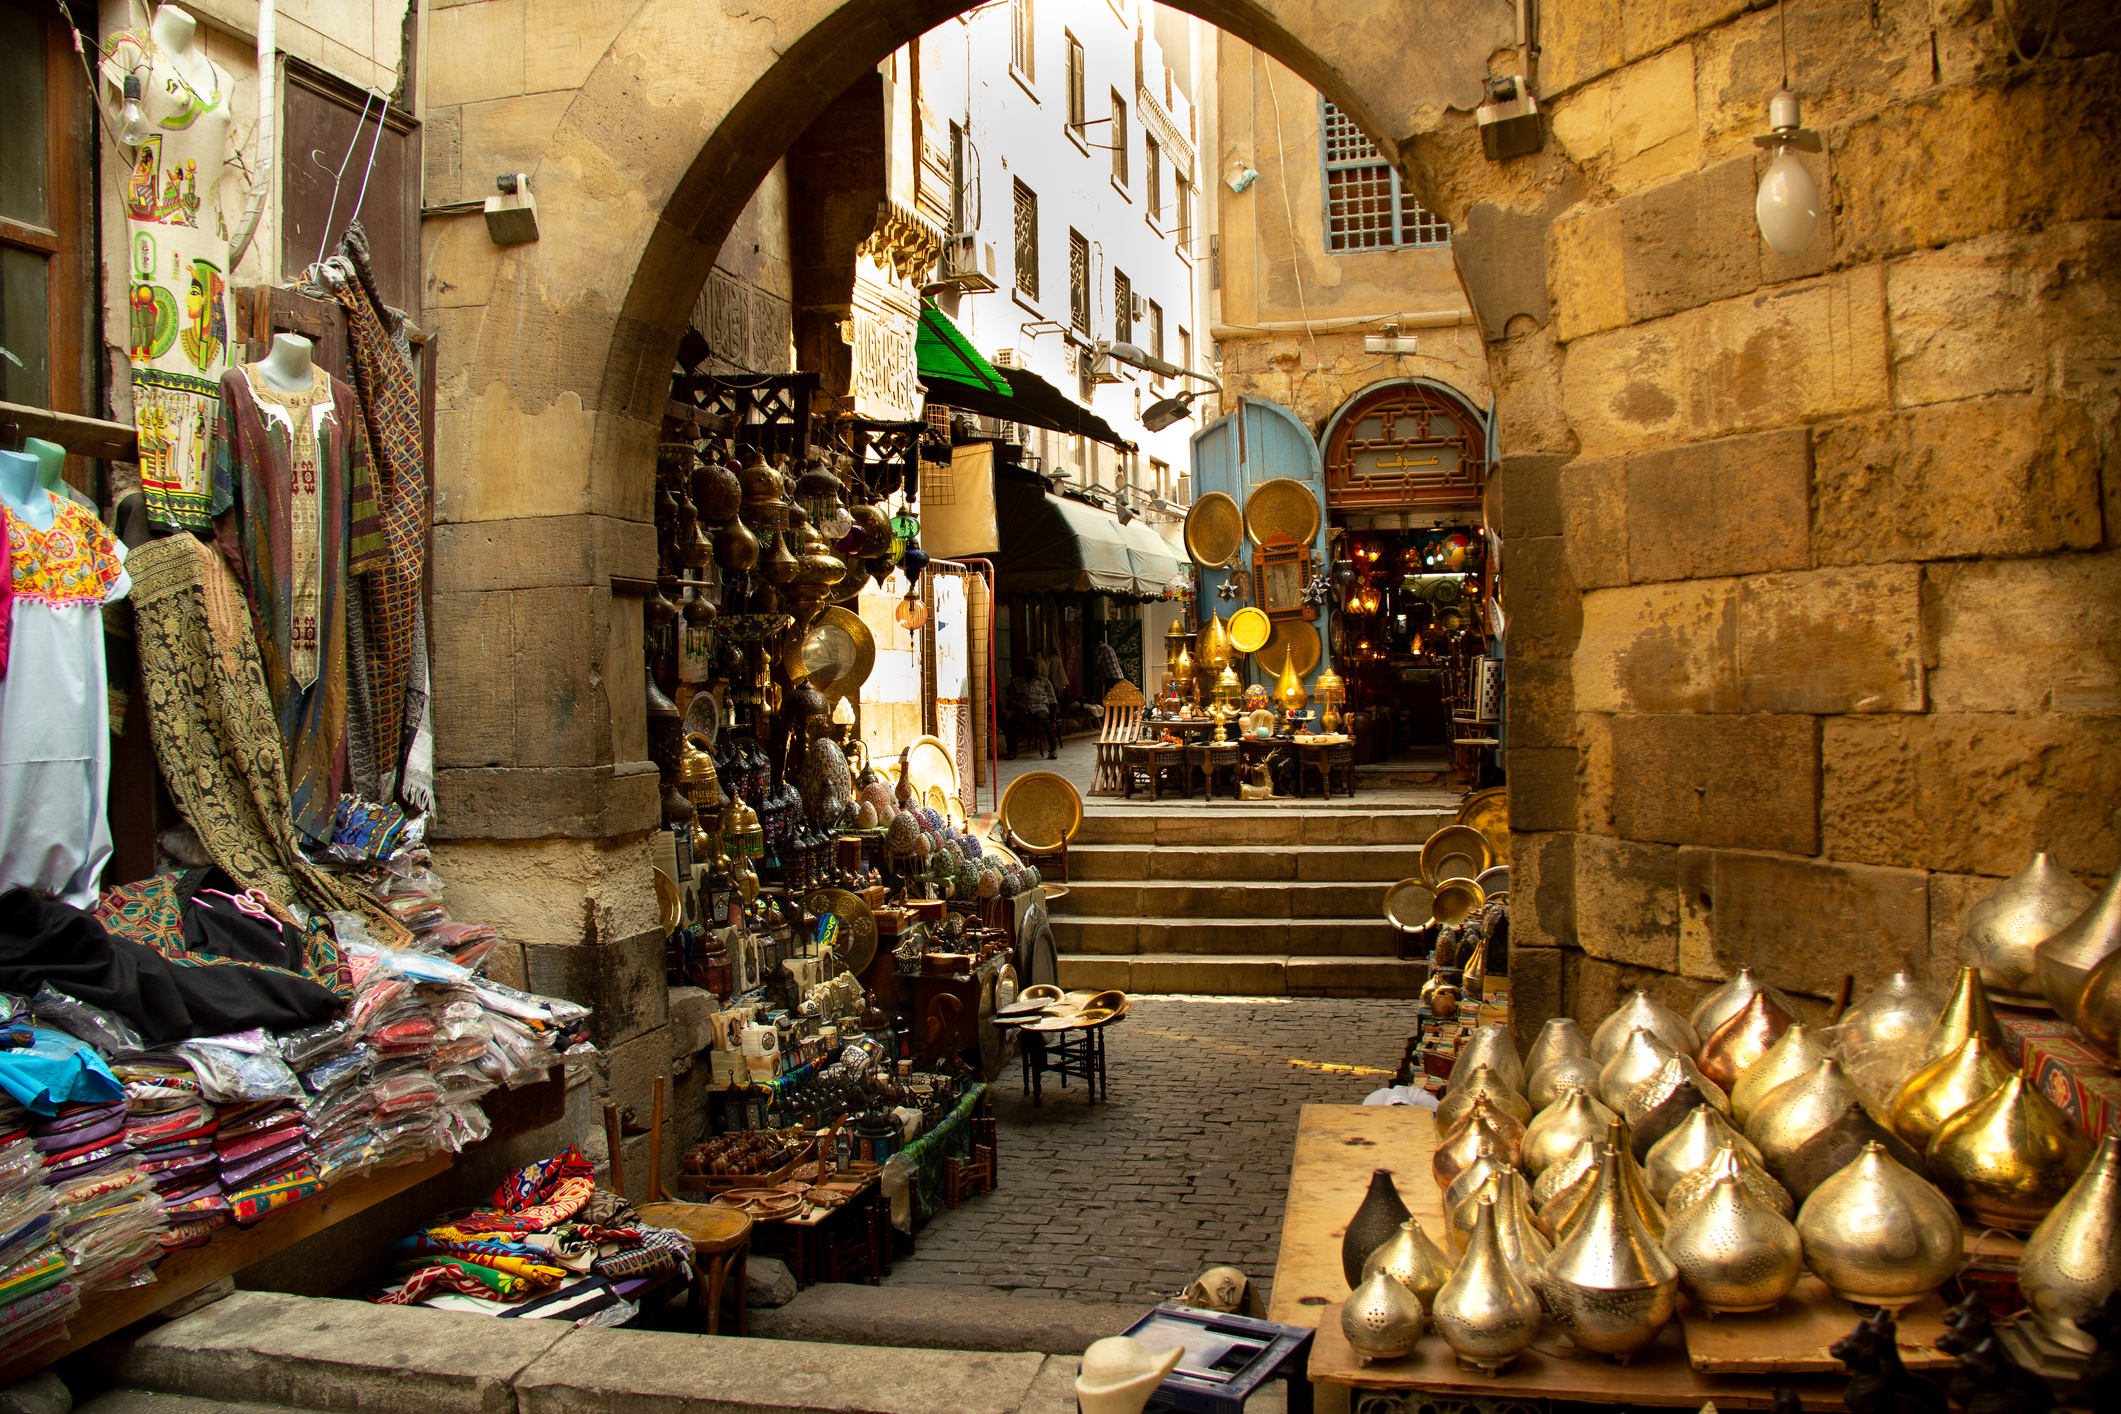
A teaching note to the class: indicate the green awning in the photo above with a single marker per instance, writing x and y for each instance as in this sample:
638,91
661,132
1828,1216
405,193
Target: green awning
1053,545
941,350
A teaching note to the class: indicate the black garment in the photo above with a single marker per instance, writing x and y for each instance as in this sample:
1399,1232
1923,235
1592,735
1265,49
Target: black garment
44,940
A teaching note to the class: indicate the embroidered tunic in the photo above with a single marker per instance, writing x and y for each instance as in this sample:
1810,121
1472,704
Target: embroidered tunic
54,711
295,514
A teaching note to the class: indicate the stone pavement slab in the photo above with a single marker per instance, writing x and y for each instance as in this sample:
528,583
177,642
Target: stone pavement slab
141,1401
944,1318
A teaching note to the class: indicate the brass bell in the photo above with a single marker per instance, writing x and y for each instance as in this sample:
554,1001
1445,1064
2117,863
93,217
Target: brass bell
2008,1159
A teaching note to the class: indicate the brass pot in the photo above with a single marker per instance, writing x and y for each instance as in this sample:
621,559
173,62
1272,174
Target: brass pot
1486,1312
1559,1218
1661,1104
1482,1081
1562,1172
1694,1143
1381,1318
1640,1010
2099,1007
2008,1159
1558,1073
1794,1052
1609,1286
1753,1173
2073,1259
1879,1234
1482,1130
1560,1036
1728,1000
1743,1039
2004,929
1797,1109
1515,1223
1946,1086
1966,1013
1556,1130
1493,1047
1734,1253
1638,1058
1469,1178
2065,961
1412,1259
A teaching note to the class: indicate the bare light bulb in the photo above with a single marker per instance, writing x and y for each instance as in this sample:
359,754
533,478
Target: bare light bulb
1788,205
133,122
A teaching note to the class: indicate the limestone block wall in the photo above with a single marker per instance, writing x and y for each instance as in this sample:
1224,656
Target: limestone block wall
1813,561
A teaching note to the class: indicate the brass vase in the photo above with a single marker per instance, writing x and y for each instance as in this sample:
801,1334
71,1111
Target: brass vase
1609,1286
1694,1143
2099,1007
1743,1039
1381,1318
2073,1259
2004,930
1412,1259
1469,1178
1481,1126
1734,1253
1482,1081
1966,1013
2008,1160
2065,961
1556,1130
1794,1052
1379,1216
1487,1312
1516,1225
1729,1159
1493,1047
1879,1234
1560,1036
1562,1172
1661,1104
1640,1010
1641,1056
1559,1219
1946,1086
1557,1074
1728,1000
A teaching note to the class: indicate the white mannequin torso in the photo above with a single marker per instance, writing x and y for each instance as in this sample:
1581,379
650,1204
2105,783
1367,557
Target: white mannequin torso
176,34
20,491
288,366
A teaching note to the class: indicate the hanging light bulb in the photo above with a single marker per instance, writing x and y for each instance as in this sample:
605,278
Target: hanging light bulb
1788,205
911,612
133,130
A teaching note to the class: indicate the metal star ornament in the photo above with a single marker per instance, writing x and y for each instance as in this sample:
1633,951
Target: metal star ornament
1227,590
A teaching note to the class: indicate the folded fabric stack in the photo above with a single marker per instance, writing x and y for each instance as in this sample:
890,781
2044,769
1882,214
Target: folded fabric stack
35,1295
171,1127
549,1227
334,1065
396,1022
106,1214
266,1165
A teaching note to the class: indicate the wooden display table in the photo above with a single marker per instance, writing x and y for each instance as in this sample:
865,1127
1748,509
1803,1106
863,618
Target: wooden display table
1336,1148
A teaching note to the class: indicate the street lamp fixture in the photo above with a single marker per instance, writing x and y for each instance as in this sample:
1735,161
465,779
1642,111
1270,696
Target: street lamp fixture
1163,413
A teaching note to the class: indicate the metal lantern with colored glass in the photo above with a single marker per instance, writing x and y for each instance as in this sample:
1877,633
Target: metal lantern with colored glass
1331,691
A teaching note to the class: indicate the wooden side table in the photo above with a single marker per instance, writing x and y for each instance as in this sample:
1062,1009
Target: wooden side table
1325,759
1210,759
1154,760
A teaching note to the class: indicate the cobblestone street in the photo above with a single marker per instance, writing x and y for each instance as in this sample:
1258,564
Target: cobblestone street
1184,1168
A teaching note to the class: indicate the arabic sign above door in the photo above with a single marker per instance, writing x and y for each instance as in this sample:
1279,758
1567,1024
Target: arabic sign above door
1407,444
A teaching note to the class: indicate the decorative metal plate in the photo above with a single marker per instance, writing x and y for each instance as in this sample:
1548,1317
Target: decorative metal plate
1456,898
1488,811
839,653
1409,904
1042,810
929,763
1250,629
1215,531
857,941
1295,636
1455,852
1281,507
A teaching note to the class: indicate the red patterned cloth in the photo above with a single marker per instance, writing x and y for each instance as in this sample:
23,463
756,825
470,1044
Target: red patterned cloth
537,1197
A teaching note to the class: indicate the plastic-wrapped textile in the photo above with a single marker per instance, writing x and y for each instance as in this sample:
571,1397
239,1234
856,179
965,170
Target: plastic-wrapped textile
229,1077
107,1031
458,1127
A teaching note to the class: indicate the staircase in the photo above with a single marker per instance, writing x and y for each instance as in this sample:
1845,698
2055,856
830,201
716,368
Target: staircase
1226,901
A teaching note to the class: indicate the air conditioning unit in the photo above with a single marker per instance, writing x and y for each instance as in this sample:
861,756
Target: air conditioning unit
1140,307
960,267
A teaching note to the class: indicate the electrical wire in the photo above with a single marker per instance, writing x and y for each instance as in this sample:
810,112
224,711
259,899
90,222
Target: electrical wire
1289,215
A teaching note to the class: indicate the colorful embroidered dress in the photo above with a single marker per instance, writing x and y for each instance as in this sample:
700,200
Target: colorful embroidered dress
54,711
177,288
295,513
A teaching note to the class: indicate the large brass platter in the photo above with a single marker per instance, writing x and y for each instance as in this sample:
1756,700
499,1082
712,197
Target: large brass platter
669,904
1455,852
1281,507
1291,636
929,763
1250,629
839,653
1409,904
1042,810
1488,811
857,941
1215,531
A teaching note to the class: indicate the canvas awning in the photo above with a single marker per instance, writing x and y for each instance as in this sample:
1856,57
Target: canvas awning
941,351
956,376
1052,545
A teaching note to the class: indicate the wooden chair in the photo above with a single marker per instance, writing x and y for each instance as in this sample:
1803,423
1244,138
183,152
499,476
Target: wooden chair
1123,722
720,1237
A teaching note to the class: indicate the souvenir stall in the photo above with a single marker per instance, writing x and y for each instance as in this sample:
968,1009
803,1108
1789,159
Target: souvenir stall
1734,1204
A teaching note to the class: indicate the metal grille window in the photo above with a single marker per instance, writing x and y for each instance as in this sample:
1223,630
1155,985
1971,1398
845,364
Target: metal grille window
1122,308
1119,139
1366,207
1153,177
1079,281
1156,330
1020,36
1027,240
1078,107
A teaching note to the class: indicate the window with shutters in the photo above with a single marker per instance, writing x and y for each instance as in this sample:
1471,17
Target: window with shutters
1020,37
1122,308
1366,206
1079,281
47,294
1027,240
1156,329
1078,108
1119,140
1182,217
1153,177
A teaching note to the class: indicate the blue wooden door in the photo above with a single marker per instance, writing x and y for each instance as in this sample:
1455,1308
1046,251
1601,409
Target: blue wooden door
1259,441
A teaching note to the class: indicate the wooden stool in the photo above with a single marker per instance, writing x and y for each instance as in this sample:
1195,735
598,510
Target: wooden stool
1325,760
1154,761
1211,758
721,1246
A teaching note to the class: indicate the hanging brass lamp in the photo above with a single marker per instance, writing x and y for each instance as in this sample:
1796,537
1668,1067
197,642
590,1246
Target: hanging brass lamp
1747,1036
1734,1253
1482,1129
1794,1052
1639,1010
1487,1313
1728,1000
1638,1058
2005,930
1560,1036
1879,1234
1556,1130
1751,1172
1409,1256
1609,1286
2008,1160
2073,1259
1946,1086
1966,1013
2065,961
1694,1143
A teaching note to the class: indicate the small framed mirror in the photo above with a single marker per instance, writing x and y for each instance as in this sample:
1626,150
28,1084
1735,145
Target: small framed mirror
1279,573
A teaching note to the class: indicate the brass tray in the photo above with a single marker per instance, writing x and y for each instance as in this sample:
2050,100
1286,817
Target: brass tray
929,763
1042,810
669,905
839,653
1215,531
857,941
1409,904
1291,636
1488,811
1281,507
1455,852
1455,898
1250,629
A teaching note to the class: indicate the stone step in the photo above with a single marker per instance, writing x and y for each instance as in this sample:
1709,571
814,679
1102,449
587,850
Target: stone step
1245,975
143,1401
1328,937
1319,863
1229,825
1113,898
914,1317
